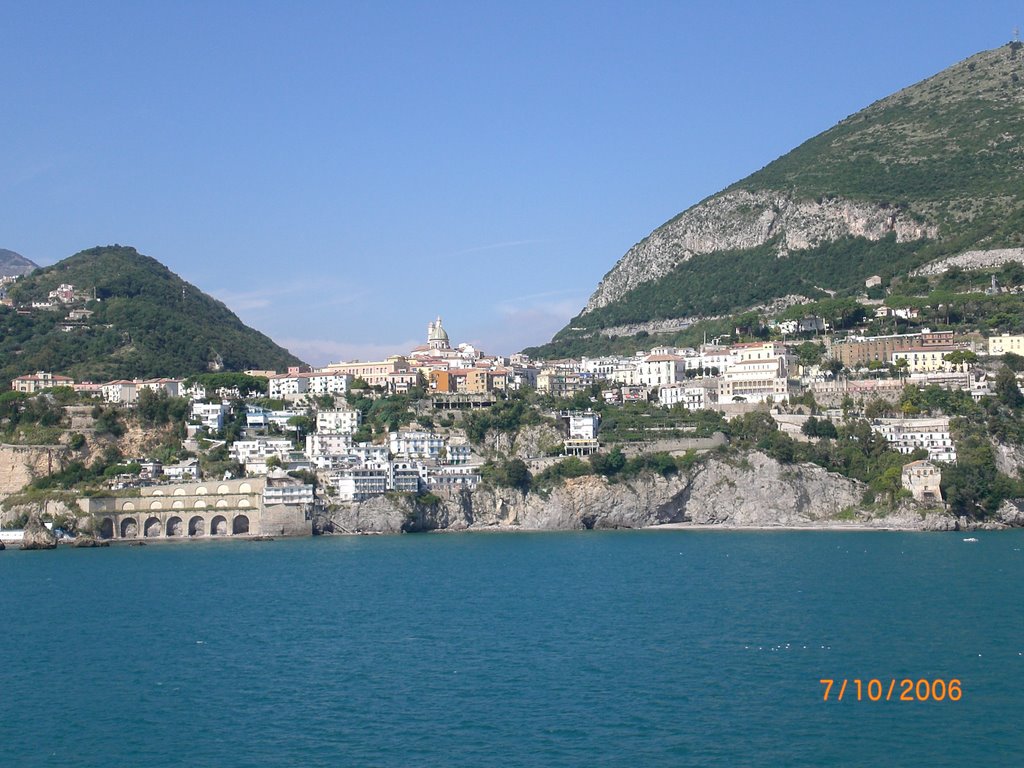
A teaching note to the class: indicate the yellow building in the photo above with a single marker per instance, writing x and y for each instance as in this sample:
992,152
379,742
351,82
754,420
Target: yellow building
1000,345
928,360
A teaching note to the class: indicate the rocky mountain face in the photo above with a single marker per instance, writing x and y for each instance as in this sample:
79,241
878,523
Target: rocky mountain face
937,163
753,491
12,264
746,219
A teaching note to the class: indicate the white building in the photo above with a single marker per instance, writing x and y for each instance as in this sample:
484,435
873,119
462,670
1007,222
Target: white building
709,358
405,476
340,421
451,477
661,370
361,481
120,392
906,435
695,395
581,428
416,445
285,385
328,444
254,453
210,415
327,382
283,489
368,452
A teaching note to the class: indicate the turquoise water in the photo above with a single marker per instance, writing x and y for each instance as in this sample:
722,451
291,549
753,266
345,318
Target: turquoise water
660,648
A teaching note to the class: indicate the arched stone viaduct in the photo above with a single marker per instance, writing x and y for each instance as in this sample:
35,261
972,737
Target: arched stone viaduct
229,508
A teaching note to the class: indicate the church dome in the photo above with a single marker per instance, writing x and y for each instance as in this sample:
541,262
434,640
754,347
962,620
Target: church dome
437,336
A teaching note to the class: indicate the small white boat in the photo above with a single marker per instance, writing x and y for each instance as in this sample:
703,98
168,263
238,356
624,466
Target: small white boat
970,539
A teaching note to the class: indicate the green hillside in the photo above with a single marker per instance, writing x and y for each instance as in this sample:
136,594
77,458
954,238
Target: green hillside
146,322
947,152
950,149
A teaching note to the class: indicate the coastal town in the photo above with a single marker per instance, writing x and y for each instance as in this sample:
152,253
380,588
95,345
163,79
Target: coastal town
298,439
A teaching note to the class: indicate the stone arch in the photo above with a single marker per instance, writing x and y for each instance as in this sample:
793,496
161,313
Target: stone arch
179,491
128,505
107,528
175,526
200,504
201,490
178,505
245,488
223,488
158,492
219,526
153,527
244,503
129,528
240,524
197,526
157,505
222,503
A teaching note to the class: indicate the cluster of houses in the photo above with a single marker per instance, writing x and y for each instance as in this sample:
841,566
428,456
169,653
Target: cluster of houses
411,460
727,377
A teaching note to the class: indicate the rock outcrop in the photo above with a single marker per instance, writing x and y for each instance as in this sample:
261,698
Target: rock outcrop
529,442
989,259
87,542
38,536
749,491
740,219
21,464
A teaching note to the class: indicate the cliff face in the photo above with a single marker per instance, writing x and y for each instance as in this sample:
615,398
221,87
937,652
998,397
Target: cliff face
529,442
741,219
20,464
754,491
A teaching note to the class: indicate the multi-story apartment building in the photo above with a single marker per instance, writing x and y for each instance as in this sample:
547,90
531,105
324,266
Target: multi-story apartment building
754,381
343,420
906,435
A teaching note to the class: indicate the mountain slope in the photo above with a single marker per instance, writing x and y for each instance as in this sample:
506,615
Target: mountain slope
931,170
12,263
145,322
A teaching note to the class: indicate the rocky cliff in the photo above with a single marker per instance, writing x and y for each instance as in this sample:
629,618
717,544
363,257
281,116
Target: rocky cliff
751,491
20,464
741,219
935,167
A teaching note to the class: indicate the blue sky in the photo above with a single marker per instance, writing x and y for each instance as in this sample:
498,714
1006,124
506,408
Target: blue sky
341,172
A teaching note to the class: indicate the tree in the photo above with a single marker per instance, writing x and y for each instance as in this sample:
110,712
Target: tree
1007,390
834,366
960,357
608,464
517,475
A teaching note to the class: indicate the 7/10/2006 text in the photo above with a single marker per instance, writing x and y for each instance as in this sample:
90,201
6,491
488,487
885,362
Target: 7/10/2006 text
893,689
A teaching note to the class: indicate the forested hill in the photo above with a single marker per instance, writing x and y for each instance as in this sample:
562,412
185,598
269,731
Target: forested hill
932,170
145,322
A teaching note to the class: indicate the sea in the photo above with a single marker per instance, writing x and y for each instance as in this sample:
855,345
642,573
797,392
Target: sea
619,648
